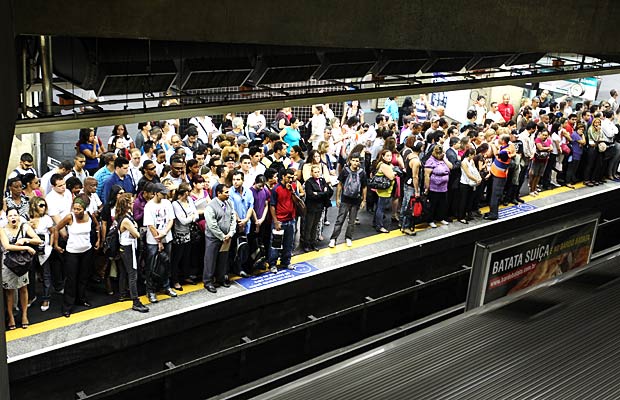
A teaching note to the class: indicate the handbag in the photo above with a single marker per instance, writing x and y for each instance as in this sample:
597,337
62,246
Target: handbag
602,147
18,261
380,182
300,205
565,149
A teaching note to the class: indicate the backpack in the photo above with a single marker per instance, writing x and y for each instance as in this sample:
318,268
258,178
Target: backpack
352,187
112,242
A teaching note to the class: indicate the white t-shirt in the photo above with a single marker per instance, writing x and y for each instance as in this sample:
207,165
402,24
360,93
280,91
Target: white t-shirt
256,120
95,203
496,116
205,126
45,223
158,215
59,204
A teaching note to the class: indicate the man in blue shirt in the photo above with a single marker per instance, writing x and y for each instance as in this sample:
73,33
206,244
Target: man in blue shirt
105,172
243,202
120,177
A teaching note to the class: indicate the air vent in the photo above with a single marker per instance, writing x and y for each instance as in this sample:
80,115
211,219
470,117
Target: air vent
212,73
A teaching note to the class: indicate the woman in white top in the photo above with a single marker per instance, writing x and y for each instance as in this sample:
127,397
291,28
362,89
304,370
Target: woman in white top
42,225
16,236
318,126
185,215
128,239
470,178
78,256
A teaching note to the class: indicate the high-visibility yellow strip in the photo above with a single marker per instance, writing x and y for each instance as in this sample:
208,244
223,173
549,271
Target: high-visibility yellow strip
122,306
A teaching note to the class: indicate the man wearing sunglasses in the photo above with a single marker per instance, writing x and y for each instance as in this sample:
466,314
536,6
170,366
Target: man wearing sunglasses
26,163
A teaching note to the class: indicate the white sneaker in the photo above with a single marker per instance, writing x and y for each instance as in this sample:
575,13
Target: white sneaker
332,243
291,267
274,270
432,225
326,223
349,242
444,222
45,306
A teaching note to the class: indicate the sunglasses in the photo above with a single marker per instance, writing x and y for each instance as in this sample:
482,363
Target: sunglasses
42,205
151,169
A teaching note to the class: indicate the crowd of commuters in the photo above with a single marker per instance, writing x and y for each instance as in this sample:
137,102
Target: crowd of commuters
208,202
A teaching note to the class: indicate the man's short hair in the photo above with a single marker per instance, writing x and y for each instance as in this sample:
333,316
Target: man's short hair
79,156
120,162
354,155
67,165
254,150
608,113
26,157
220,188
278,146
454,140
176,159
244,157
55,178
191,130
270,173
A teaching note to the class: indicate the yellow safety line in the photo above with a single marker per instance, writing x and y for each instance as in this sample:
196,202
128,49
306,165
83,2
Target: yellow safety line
122,306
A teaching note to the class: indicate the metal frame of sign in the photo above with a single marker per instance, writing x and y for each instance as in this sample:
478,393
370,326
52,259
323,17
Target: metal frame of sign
483,252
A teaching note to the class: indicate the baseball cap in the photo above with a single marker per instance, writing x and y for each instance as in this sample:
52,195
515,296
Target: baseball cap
242,140
159,188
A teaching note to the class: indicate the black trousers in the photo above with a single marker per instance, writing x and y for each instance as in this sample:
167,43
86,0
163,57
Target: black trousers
76,276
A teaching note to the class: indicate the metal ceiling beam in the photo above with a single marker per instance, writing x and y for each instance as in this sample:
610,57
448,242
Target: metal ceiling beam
78,121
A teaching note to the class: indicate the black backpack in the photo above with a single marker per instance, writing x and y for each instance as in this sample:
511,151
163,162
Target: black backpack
112,242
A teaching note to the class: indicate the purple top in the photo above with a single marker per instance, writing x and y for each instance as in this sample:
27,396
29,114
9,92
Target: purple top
576,147
439,176
259,200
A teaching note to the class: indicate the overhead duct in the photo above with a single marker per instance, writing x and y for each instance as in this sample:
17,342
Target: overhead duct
447,62
285,68
397,62
213,72
487,61
134,77
525,58
341,65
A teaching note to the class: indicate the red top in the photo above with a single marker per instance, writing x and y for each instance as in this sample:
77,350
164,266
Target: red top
507,111
282,200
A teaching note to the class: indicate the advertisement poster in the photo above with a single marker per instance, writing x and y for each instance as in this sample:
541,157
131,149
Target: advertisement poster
511,265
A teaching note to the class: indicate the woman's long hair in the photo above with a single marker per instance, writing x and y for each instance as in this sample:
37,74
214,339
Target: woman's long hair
123,206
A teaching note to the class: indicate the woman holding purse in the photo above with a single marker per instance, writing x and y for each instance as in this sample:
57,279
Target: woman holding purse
16,238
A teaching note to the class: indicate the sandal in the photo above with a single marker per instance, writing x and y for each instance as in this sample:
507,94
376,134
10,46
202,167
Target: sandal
12,327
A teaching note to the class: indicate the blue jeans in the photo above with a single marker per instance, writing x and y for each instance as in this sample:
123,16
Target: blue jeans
287,245
382,203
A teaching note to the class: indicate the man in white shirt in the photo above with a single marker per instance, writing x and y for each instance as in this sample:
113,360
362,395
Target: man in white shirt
207,131
63,169
256,123
90,189
613,100
59,199
481,111
494,114
158,219
134,167
79,161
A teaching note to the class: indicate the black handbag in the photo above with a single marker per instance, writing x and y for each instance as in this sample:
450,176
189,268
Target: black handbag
18,261
380,182
300,205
